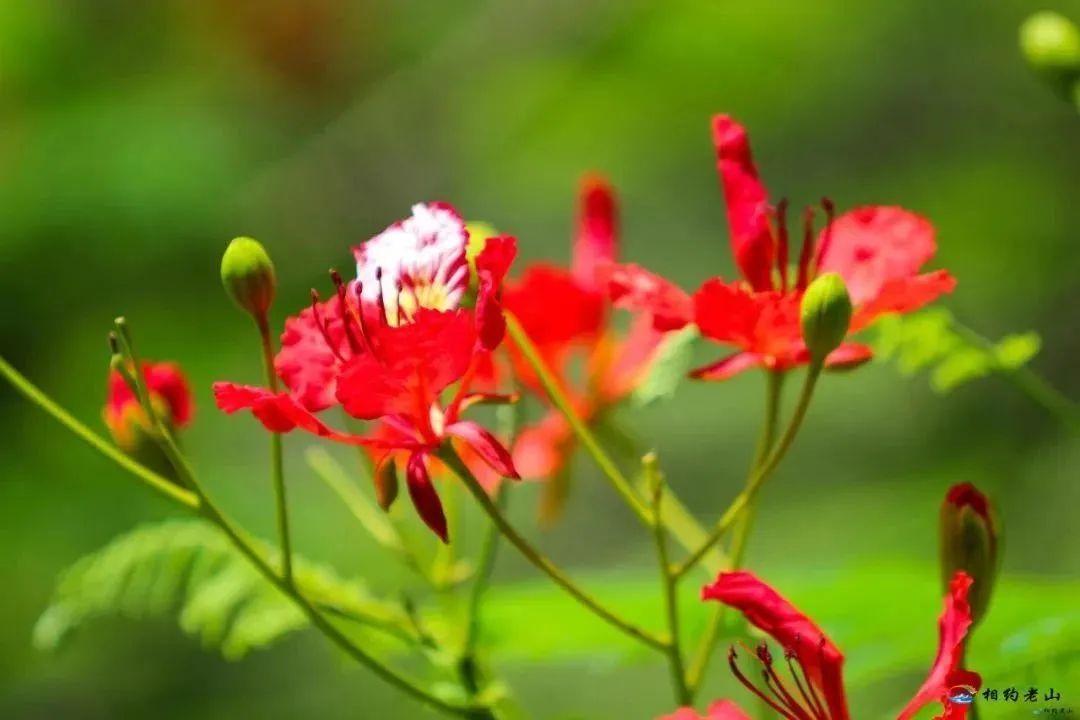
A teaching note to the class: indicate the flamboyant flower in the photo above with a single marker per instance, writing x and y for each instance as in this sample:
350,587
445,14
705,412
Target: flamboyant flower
877,250
387,346
808,683
719,710
565,313
169,397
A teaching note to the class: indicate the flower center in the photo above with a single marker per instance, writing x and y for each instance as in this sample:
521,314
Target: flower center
417,263
793,700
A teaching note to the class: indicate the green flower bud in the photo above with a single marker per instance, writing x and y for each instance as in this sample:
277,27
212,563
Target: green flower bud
248,275
969,542
826,315
1051,44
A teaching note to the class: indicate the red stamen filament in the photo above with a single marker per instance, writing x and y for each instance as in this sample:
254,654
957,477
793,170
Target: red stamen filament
345,313
321,324
810,697
778,697
782,243
830,215
807,248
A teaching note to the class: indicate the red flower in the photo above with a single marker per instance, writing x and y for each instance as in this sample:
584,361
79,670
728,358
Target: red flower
564,313
877,250
388,345
719,710
814,664
169,395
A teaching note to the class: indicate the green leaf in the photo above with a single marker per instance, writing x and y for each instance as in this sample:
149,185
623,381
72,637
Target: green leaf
933,341
669,367
189,566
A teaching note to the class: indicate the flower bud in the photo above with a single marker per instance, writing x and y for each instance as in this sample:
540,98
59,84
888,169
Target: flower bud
386,484
826,315
1051,45
969,542
248,275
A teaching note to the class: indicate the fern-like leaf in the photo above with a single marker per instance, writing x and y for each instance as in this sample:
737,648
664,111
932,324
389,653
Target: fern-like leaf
189,566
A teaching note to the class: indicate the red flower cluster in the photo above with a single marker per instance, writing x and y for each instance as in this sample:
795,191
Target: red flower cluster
387,346
814,664
877,250
566,315
169,395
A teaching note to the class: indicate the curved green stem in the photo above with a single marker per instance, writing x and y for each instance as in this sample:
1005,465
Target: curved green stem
200,503
585,435
757,478
1028,382
669,584
158,483
705,650
277,471
450,457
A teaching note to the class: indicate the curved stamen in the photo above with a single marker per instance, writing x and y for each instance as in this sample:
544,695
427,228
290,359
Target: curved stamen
807,251
734,665
344,311
776,685
782,243
321,324
830,215
809,698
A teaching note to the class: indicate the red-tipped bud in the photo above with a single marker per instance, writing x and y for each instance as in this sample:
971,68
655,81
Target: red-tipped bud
970,537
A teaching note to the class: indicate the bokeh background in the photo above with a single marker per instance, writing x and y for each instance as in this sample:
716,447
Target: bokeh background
137,138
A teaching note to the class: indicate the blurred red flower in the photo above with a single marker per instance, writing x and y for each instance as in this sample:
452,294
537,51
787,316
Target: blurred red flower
169,395
565,313
814,663
388,345
877,250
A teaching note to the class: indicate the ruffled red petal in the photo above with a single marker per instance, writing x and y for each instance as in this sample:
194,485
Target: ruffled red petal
903,295
414,363
953,626
874,245
631,287
764,323
492,264
728,367
719,710
747,203
596,243
767,610
305,362
543,448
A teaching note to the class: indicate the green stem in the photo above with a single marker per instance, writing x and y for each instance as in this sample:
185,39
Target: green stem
200,503
773,387
585,435
160,484
450,457
277,470
669,584
761,474
1028,382
470,672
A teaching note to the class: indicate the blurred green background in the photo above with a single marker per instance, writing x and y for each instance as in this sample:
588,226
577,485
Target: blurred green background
139,137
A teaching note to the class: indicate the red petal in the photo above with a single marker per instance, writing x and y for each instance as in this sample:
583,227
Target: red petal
415,363
871,246
747,203
618,368
305,362
634,288
424,498
492,264
597,237
486,446
729,367
953,626
768,611
903,295
719,710
848,355
542,449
